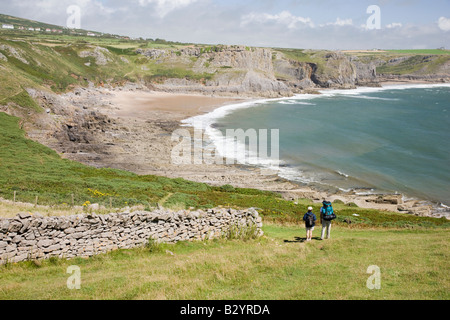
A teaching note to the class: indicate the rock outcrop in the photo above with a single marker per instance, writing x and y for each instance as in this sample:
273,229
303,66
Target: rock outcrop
101,55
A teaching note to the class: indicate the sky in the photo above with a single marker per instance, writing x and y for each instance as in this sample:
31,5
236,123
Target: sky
306,24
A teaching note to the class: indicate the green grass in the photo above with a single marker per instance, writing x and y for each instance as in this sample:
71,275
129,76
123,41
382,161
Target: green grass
296,54
278,266
160,73
422,51
22,99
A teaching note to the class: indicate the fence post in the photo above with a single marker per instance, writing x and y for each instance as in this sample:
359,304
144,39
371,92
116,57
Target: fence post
14,197
73,201
35,204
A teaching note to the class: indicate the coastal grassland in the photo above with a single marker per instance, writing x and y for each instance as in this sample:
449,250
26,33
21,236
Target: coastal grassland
421,51
60,63
12,91
278,266
58,68
309,56
299,55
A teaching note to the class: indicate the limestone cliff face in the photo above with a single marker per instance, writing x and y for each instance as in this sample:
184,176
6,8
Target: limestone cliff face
238,70
297,75
341,71
432,68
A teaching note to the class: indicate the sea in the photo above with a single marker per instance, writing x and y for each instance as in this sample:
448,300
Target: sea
393,139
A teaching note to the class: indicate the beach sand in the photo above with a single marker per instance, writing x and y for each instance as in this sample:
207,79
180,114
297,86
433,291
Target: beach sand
150,104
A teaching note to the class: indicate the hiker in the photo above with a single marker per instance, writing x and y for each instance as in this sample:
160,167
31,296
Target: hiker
310,223
326,216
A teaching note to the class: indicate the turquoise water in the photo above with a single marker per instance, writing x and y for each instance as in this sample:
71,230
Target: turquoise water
395,139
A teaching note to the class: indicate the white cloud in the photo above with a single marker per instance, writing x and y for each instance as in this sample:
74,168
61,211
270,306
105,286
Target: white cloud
394,25
164,7
444,23
289,20
208,21
57,7
340,23
284,18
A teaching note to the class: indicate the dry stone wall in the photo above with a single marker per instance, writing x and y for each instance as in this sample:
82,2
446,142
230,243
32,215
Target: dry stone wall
29,237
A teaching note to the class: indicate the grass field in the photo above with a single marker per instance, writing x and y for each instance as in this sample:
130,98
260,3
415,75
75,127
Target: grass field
279,266
422,51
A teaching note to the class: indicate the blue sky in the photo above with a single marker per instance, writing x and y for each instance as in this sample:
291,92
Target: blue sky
315,24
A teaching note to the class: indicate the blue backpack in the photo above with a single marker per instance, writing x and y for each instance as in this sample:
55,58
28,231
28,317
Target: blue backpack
327,211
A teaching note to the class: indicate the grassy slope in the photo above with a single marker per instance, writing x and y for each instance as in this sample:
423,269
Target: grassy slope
413,266
53,62
422,51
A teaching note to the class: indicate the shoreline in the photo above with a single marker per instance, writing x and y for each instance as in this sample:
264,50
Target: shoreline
371,200
137,138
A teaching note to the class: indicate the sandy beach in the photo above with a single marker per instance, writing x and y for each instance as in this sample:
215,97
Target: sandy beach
132,104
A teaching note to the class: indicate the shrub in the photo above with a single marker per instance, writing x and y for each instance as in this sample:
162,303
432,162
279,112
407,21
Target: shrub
227,188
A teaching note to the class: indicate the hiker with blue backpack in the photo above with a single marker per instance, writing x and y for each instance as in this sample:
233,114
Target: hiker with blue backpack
310,222
326,216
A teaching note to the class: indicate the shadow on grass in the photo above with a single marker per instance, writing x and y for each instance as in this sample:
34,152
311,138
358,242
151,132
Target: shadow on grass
301,240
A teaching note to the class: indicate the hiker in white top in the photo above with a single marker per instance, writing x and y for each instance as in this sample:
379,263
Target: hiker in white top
310,223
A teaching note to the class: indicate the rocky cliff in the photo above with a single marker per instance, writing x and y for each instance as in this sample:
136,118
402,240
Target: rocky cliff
244,71
214,70
238,70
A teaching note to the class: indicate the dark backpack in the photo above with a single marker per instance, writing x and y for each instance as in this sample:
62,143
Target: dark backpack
309,222
327,211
